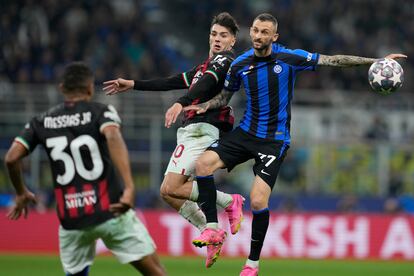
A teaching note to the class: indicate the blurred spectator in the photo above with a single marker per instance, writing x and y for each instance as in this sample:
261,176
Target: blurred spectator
288,205
348,204
378,130
395,186
392,206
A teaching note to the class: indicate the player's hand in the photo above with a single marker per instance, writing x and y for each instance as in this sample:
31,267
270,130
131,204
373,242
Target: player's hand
172,114
199,109
125,203
395,56
117,86
21,203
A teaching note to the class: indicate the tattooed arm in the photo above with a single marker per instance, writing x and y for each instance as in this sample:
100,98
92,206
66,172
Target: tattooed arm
344,60
347,61
219,100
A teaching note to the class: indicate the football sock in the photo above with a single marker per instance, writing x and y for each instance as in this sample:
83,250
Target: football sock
213,225
223,199
194,192
84,272
260,224
207,197
251,263
191,212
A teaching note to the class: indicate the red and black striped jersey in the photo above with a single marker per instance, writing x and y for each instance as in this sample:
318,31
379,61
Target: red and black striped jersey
203,83
85,182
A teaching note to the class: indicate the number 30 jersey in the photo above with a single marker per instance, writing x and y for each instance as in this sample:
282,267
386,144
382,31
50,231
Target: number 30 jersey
85,182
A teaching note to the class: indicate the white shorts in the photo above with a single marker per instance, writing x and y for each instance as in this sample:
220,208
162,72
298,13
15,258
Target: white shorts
192,141
125,236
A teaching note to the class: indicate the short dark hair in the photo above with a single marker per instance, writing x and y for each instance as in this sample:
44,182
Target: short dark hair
76,76
267,17
226,20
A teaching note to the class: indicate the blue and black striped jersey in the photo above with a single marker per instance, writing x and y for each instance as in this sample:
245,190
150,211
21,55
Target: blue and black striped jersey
268,83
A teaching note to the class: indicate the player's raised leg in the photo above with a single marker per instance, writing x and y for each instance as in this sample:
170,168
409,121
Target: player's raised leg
186,208
206,165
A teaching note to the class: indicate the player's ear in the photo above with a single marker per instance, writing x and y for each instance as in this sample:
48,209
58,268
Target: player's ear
90,88
275,37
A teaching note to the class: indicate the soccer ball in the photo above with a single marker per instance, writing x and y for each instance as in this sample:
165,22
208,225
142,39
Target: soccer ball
385,76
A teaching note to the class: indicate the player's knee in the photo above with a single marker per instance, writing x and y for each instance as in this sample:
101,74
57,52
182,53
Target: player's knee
164,191
257,203
167,191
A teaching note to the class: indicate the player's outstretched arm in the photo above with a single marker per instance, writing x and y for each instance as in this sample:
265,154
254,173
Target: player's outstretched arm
117,86
23,196
347,61
119,155
219,100
178,81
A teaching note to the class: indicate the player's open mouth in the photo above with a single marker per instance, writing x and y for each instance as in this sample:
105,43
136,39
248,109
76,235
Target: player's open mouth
217,47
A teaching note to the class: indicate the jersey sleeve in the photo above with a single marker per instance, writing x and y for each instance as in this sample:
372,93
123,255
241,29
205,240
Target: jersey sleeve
188,76
28,137
214,74
233,80
179,81
109,117
299,59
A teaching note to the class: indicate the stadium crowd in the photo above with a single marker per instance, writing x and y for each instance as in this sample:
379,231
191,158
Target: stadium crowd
136,39
39,37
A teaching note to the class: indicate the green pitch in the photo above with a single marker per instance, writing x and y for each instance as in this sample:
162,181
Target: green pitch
17,265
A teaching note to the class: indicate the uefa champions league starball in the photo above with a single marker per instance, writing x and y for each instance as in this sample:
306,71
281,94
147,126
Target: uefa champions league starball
385,76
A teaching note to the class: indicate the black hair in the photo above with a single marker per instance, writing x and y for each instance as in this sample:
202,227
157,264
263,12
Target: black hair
267,17
226,20
76,76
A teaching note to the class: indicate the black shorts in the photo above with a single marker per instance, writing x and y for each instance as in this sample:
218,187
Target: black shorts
238,146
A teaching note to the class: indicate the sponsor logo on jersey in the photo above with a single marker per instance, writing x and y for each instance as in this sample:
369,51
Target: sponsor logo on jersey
219,59
248,71
77,200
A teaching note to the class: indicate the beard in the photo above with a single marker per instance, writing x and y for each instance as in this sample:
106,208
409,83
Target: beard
262,45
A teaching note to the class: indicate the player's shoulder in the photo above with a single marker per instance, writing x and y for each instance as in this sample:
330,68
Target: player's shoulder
246,56
222,58
53,111
277,48
227,54
97,106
